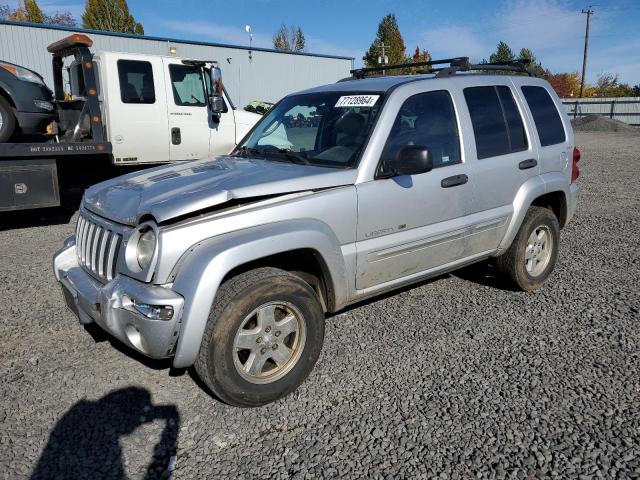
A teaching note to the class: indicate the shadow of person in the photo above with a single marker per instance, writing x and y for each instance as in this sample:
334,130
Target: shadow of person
85,443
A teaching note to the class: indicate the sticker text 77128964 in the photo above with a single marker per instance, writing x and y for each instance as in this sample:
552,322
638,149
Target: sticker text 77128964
357,101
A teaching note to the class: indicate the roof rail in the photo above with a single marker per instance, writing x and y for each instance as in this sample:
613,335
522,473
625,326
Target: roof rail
456,64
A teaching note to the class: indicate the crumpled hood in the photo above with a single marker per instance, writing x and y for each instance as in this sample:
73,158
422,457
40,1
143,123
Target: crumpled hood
178,189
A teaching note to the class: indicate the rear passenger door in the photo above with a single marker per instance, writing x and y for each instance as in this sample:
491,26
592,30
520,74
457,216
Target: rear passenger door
137,111
504,157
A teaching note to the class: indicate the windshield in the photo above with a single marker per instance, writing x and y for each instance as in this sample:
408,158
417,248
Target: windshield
324,129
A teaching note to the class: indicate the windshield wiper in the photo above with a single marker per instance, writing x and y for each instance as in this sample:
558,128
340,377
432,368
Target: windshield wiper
246,152
295,157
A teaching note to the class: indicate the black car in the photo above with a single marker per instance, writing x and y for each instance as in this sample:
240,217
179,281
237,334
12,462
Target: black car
26,104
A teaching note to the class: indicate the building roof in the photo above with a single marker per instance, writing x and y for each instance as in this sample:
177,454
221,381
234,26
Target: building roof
166,39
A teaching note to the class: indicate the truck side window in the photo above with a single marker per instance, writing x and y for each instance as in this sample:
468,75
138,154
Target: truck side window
497,124
426,119
187,86
136,82
545,115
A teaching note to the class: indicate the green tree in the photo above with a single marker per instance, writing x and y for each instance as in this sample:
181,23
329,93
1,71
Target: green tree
394,48
503,54
608,85
34,14
29,11
534,65
110,16
290,39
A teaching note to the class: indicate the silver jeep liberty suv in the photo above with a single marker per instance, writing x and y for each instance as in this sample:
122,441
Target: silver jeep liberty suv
339,193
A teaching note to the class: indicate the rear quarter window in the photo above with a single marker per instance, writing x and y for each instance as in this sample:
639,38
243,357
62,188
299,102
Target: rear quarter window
545,115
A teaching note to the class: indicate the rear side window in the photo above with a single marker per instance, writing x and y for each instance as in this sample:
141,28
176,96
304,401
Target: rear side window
136,82
427,119
497,124
545,115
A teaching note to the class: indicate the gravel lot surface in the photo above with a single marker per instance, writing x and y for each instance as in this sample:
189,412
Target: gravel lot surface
457,377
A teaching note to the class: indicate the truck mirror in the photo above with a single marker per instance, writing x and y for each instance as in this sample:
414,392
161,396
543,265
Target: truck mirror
216,102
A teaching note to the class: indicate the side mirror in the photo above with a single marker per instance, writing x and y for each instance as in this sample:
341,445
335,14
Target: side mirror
216,102
411,160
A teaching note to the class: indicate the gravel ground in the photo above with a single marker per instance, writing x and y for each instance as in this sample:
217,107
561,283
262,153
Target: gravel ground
457,377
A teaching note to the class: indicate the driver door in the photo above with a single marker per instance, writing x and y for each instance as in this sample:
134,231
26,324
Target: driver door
411,224
189,128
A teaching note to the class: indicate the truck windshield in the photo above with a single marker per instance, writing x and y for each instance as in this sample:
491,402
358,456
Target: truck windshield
323,129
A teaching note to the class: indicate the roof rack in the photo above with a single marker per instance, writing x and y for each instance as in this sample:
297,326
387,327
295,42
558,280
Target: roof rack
456,64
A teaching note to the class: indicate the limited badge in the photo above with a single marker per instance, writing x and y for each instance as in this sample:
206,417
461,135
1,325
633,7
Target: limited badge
357,101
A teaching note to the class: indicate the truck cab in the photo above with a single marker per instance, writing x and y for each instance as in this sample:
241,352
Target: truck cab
155,109
149,108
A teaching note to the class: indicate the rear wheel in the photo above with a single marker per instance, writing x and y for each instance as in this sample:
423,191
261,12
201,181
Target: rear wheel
263,336
532,256
7,120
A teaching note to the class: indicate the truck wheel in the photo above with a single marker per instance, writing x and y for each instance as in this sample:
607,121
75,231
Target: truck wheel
263,337
531,257
7,121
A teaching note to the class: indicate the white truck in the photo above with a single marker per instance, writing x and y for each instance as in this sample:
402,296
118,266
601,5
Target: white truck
124,109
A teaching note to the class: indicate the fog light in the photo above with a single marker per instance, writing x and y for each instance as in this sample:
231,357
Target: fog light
154,312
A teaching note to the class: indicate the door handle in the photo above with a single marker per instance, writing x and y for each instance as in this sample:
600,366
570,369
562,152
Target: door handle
176,138
454,181
532,162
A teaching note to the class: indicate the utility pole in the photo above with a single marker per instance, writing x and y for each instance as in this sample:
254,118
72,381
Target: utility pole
588,12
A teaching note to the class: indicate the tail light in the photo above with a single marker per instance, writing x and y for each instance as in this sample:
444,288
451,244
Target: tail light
575,169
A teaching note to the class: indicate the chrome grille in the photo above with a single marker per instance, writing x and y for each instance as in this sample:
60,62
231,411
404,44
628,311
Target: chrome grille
97,248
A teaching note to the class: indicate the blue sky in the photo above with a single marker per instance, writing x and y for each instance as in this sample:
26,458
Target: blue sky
553,29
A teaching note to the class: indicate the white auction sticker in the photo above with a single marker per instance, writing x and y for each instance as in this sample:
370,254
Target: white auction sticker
357,101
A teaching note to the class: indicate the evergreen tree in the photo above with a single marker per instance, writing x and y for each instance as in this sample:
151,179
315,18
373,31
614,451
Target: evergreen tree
110,16
503,54
389,35
34,14
534,65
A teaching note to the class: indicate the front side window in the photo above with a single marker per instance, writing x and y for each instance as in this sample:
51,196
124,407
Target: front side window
323,129
497,124
545,115
187,86
136,82
427,120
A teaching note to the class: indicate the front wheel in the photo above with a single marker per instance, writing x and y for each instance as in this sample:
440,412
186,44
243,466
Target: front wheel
263,337
532,256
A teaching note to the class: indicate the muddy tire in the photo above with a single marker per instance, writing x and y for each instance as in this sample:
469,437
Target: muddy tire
263,337
532,255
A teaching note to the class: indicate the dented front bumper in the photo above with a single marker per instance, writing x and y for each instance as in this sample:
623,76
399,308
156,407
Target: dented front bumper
145,317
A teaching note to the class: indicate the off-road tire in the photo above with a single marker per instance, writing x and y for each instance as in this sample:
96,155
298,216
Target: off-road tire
8,120
512,265
237,298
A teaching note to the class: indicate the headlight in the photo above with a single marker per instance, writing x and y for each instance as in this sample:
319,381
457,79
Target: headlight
22,73
141,248
146,247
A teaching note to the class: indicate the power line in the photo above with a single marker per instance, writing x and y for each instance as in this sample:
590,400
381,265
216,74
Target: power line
588,12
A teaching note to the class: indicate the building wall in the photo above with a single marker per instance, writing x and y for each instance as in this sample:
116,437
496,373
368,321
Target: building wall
268,76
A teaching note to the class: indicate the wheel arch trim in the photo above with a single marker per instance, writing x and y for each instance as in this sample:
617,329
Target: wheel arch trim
204,267
525,197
